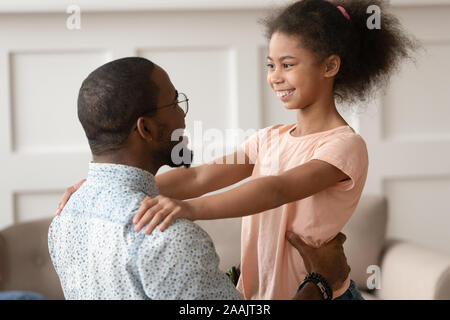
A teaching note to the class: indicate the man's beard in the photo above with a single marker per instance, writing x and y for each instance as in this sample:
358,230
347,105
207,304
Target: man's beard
175,153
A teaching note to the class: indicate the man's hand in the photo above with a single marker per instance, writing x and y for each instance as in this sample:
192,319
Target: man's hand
328,260
66,196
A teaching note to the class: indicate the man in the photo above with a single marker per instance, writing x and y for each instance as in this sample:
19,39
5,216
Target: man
128,109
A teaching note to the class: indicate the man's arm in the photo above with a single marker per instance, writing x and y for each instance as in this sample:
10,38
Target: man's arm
328,260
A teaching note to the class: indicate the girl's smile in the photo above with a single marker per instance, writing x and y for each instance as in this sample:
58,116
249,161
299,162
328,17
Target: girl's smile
284,95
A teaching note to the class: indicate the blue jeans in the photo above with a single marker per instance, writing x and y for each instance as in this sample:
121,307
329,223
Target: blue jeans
351,294
20,295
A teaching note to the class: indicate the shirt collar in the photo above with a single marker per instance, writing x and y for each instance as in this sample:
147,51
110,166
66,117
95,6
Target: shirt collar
119,174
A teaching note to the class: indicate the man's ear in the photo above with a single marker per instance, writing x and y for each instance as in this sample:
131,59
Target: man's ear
146,129
332,66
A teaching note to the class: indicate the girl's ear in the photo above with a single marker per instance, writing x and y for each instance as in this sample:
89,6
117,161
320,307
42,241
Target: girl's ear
332,65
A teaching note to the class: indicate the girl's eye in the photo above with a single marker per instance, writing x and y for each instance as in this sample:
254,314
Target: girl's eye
287,65
269,65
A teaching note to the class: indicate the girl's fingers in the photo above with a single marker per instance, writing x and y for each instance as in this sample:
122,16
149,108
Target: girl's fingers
147,217
58,209
154,211
63,201
169,219
157,218
66,196
146,204
78,185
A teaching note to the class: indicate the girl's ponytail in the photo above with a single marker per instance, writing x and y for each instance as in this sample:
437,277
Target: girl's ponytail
380,45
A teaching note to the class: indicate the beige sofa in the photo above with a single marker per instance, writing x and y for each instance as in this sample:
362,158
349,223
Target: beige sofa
407,271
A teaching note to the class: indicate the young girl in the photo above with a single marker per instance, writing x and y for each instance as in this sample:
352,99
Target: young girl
306,177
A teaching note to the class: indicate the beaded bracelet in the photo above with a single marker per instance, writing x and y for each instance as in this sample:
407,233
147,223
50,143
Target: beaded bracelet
320,282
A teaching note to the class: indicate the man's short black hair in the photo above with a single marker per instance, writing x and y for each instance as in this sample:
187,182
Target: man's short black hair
112,98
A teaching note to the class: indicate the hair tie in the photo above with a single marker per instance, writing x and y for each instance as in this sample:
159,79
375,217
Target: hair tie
344,12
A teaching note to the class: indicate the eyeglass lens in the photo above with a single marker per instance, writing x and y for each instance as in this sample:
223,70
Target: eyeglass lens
182,102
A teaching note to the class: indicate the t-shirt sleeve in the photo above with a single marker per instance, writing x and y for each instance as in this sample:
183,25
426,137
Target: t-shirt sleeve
183,265
348,153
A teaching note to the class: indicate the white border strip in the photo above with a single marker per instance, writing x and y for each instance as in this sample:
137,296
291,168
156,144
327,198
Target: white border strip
42,6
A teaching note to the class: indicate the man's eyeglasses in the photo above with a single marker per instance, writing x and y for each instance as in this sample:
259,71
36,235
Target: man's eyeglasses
181,100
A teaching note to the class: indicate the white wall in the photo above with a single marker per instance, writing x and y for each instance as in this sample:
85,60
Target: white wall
214,52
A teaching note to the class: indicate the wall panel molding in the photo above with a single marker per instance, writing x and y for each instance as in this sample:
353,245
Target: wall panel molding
35,204
421,87
44,90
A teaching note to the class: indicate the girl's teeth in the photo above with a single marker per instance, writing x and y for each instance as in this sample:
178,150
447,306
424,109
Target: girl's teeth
284,93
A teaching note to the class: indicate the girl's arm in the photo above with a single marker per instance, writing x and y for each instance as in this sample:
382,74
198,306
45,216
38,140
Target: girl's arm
268,192
183,183
251,197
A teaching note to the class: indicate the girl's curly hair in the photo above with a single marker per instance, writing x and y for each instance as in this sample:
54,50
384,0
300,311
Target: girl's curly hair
368,56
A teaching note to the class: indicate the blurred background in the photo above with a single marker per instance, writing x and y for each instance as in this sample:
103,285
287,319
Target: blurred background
214,51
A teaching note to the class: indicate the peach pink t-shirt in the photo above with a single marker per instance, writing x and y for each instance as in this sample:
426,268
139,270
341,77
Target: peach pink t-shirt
271,268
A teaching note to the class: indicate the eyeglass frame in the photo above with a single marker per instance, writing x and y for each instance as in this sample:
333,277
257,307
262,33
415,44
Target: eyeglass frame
169,105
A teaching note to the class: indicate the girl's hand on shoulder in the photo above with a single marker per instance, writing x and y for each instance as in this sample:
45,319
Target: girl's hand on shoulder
161,209
67,194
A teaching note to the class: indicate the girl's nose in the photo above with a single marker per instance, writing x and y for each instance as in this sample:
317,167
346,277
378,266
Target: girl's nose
277,80
275,77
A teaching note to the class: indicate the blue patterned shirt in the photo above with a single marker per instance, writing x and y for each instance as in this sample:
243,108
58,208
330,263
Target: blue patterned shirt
98,255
